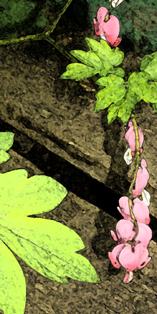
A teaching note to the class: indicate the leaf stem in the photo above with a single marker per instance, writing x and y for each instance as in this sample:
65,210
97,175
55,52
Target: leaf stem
45,35
137,159
136,164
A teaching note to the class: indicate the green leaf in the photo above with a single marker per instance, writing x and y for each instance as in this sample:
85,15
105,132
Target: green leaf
12,283
117,57
89,58
113,93
114,55
138,84
110,80
6,141
118,72
102,53
149,65
48,247
28,196
113,112
4,156
142,88
100,59
151,69
78,71
150,93
127,106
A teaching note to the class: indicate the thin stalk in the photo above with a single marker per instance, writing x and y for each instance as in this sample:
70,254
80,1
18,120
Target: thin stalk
53,26
137,155
40,36
136,162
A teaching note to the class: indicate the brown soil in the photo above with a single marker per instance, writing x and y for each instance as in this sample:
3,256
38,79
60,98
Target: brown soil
37,103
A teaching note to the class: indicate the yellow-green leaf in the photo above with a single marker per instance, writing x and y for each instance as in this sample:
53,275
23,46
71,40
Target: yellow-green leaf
48,247
87,57
78,71
112,112
112,80
149,65
6,141
112,93
127,106
117,71
12,283
28,196
102,51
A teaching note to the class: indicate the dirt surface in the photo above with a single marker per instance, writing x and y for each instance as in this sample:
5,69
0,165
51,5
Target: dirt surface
110,295
59,115
55,112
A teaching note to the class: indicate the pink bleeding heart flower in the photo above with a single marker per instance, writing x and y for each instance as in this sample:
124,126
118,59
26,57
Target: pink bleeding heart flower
140,210
124,231
141,179
107,27
113,256
130,258
123,207
144,234
133,258
130,137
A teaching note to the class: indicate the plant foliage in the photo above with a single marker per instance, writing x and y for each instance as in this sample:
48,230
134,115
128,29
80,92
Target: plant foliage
47,246
6,141
14,12
138,19
118,95
19,17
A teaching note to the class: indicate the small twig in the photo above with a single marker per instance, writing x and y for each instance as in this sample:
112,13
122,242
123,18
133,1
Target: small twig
136,167
59,48
45,35
137,155
52,27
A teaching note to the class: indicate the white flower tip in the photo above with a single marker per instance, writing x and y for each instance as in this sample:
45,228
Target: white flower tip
115,3
128,156
146,197
103,37
128,277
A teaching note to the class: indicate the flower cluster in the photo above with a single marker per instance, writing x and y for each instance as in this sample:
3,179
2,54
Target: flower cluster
132,232
107,27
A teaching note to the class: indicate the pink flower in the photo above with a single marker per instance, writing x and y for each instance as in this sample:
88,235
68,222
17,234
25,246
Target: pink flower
141,179
130,258
144,234
134,257
107,27
140,209
124,207
114,255
133,233
130,137
124,231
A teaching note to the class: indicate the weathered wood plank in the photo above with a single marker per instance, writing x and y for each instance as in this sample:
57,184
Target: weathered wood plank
60,116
